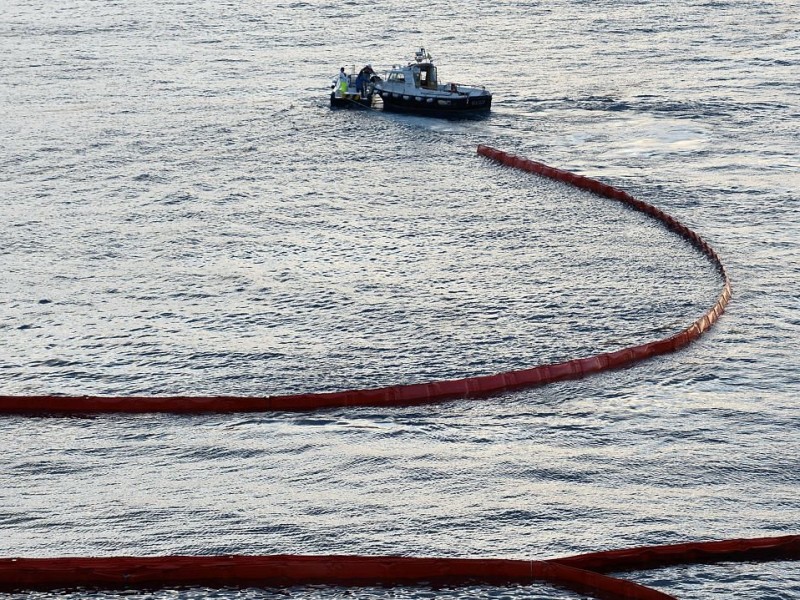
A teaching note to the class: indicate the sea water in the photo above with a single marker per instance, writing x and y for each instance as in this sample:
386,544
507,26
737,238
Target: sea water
183,214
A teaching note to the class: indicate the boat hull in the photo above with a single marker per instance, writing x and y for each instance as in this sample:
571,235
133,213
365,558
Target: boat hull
461,104
349,101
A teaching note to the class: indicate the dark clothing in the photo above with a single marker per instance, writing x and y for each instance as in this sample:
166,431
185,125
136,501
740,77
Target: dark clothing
363,79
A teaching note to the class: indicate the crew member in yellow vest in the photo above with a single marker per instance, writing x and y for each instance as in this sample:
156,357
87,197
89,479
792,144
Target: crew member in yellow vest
342,83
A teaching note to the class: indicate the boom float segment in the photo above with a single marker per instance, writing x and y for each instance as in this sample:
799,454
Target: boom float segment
421,393
582,573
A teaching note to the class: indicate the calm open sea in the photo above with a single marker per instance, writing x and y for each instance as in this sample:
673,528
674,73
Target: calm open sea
182,213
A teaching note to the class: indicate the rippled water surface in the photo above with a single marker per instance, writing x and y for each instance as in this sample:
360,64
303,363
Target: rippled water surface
183,214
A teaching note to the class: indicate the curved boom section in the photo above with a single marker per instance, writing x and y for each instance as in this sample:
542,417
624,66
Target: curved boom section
421,393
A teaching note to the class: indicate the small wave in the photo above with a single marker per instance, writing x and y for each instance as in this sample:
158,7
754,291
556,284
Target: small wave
150,178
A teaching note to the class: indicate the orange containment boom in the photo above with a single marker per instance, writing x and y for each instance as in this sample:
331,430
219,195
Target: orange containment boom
580,573
437,391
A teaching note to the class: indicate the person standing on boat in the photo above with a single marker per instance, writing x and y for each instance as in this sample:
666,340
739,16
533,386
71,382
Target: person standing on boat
363,79
340,82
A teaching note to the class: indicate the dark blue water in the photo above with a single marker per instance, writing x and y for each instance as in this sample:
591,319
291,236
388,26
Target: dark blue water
184,214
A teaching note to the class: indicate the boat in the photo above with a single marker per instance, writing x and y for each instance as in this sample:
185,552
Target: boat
349,92
415,88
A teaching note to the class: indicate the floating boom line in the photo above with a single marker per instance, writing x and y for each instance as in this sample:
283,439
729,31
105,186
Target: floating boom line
418,393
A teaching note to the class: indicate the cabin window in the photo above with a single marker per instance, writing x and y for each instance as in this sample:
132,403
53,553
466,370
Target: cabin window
399,77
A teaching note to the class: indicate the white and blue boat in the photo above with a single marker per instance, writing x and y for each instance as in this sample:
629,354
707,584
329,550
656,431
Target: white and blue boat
416,88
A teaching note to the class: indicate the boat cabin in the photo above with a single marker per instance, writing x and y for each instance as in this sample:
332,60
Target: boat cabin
423,76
